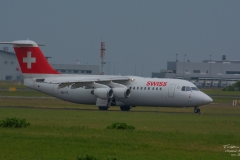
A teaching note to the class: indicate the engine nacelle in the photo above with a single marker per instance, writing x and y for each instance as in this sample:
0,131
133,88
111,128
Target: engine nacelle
103,93
121,92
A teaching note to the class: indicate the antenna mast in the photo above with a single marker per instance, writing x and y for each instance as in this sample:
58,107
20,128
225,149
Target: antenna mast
102,56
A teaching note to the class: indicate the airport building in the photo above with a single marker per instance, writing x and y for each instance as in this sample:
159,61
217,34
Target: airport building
76,69
208,73
10,69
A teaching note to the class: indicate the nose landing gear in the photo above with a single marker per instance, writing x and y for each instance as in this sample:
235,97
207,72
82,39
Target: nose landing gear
196,109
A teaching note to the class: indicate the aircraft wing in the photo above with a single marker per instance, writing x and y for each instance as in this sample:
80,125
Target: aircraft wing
97,82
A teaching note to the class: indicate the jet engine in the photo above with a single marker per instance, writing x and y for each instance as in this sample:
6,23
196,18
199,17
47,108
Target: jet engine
121,92
103,93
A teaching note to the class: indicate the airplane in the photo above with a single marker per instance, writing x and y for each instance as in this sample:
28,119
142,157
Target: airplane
104,90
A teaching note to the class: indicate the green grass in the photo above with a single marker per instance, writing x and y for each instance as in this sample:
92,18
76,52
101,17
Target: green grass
224,100
21,90
222,97
8,84
63,130
219,92
23,93
161,133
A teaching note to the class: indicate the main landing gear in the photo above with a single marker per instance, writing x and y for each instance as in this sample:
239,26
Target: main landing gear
112,102
102,108
125,108
196,109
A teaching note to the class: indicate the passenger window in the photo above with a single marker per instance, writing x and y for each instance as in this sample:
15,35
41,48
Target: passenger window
130,87
133,87
144,88
137,88
148,88
153,88
141,88
183,88
157,88
188,88
160,88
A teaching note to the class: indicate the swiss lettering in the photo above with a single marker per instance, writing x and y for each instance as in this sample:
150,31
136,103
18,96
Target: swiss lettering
156,83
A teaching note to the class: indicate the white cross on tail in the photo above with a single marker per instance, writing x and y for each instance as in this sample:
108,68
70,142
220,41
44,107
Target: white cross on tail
29,60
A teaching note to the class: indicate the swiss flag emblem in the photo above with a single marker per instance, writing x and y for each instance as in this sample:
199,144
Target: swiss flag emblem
29,60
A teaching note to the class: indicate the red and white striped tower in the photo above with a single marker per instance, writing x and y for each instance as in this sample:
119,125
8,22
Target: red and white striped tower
102,56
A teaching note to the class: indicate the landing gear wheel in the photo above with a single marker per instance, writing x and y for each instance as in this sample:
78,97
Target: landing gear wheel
102,108
125,108
196,110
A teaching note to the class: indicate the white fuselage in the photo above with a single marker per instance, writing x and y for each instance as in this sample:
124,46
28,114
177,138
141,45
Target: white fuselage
102,90
144,92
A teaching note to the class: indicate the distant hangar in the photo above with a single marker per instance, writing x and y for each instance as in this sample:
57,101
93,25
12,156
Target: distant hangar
208,73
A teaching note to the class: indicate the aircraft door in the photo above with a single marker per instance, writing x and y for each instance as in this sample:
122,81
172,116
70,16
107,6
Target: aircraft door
171,90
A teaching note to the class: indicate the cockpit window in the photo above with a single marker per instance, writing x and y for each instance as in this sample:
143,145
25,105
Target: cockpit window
183,88
188,88
195,89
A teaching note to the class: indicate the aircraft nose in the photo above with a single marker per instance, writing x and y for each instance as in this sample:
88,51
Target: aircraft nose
207,99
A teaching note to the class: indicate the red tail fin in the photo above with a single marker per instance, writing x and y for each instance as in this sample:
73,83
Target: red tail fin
31,58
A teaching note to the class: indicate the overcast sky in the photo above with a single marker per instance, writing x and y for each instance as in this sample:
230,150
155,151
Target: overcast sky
136,32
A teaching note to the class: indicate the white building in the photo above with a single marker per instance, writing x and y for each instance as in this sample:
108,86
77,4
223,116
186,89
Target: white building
209,73
9,67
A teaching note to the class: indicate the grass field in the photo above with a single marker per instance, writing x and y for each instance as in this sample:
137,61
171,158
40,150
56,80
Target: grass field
66,130
21,90
63,130
219,92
